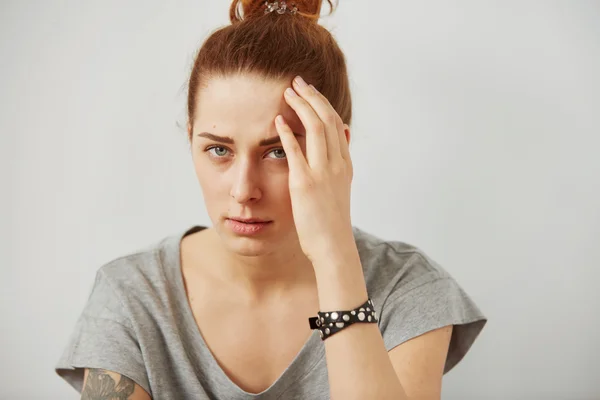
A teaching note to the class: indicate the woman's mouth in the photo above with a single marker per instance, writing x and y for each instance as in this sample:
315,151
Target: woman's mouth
246,228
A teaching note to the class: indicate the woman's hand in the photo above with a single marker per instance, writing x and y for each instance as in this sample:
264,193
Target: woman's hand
320,183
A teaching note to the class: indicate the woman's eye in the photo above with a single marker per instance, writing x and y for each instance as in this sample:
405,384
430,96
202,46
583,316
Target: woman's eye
281,153
222,149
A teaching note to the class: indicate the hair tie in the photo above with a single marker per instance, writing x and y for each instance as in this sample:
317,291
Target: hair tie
280,7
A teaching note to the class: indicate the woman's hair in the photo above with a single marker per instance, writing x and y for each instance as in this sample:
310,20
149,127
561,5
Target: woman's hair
274,46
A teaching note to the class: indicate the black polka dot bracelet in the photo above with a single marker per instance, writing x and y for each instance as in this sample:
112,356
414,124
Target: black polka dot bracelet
331,322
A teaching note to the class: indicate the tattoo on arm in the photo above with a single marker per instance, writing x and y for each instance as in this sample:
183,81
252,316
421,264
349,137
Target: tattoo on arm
101,386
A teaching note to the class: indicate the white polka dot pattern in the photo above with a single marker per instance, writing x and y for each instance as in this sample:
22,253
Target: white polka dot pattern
332,322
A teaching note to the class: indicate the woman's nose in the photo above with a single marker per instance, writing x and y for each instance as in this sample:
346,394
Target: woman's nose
246,183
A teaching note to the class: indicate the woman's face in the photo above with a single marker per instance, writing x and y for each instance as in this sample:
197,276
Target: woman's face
239,176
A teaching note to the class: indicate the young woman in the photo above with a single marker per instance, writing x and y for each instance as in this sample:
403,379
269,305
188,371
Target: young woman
282,297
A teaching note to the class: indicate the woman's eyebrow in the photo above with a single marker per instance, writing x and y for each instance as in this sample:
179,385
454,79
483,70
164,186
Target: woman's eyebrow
228,140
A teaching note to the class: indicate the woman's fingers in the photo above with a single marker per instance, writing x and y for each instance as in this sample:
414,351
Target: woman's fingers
327,115
293,151
316,143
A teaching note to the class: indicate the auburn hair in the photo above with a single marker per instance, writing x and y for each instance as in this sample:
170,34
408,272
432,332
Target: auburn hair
274,46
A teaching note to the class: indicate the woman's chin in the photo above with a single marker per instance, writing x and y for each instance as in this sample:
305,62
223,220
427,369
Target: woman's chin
248,247
252,245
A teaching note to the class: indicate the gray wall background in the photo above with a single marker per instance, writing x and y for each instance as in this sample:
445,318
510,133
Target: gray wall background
476,138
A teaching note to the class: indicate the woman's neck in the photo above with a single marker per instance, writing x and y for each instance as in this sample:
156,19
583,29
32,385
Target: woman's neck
254,278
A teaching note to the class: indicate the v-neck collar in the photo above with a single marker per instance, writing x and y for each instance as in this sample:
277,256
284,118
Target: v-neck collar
206,367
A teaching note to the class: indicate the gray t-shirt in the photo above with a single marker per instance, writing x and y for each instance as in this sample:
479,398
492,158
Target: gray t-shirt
137,322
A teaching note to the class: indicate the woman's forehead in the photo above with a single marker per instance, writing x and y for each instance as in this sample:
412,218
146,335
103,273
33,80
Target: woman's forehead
243,89
244,103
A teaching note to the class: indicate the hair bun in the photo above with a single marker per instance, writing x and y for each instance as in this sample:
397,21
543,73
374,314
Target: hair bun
310,9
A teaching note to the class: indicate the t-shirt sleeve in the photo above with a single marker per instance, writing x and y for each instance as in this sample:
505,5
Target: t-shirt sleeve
103,337
427,302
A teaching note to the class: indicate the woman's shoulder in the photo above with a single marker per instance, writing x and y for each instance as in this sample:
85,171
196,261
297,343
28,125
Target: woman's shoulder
388,260
147,263
413,294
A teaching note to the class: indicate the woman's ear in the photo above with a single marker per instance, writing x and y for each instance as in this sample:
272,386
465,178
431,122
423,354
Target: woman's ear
189,130
347,133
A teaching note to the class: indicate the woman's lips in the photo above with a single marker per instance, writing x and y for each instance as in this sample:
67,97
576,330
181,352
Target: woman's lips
246,228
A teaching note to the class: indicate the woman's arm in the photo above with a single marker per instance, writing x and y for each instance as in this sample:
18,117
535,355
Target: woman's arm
358,364
100,384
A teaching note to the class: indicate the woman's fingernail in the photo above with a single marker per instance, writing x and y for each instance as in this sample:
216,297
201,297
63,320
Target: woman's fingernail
300,81
290,92
279,119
